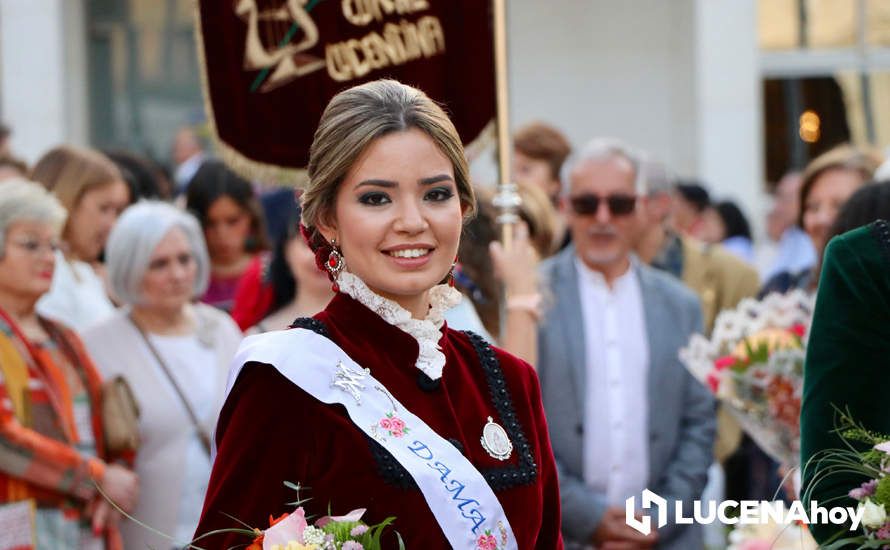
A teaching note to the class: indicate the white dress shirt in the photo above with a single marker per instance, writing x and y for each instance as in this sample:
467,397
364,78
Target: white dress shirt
616,427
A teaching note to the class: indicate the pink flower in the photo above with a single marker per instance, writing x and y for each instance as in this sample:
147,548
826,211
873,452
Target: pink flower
397,433
867,489
725,362
358,530
884,532
352,545
713,381
386,424
286,530
354,515
398,425
487,542
798,330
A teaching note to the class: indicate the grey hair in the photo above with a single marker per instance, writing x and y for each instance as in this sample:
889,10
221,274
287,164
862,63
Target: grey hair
134,239
602,149
657,178
23,200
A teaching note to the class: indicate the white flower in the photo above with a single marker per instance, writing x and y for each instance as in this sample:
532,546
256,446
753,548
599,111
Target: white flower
313,535
873,515
883,447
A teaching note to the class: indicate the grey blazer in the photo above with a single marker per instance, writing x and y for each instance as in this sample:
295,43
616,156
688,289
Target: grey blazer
681,411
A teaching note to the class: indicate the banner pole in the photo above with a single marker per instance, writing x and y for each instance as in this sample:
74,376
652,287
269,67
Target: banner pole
507,199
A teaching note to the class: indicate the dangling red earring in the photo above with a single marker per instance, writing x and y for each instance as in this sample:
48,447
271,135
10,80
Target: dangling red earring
335,264
451,273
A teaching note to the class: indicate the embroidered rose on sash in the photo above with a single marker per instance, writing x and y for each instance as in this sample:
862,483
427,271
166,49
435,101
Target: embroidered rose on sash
487,542
394,425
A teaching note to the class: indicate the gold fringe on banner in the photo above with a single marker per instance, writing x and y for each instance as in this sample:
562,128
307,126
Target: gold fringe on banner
247,168
486,138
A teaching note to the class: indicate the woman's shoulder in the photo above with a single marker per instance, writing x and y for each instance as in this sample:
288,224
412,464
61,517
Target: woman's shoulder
260,390
108,324
218,319
857,267
881,231
867,246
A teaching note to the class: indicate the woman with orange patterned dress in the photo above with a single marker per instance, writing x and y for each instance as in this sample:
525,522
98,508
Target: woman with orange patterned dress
53,465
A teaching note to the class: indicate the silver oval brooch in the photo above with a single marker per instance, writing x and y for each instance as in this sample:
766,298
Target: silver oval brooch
495,441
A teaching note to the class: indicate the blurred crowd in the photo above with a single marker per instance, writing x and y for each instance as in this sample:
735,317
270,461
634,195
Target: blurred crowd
114,267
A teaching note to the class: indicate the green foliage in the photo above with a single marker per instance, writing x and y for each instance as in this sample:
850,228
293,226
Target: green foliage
852,431
873,458
759,354
297,488
370,540
340,529
882,492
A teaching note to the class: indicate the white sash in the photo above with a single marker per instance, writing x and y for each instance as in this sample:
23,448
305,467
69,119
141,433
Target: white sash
459,497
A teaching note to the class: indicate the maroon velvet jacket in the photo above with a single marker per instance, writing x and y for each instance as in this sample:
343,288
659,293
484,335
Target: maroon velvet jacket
271,431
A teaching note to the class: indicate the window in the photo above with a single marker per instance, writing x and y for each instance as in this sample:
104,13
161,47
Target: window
144,77
826,77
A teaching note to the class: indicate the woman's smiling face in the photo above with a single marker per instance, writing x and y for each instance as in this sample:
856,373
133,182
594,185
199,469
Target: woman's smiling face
398,218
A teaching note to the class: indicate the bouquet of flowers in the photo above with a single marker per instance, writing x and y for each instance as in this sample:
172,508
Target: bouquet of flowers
873,495
771,536
294,532
753,363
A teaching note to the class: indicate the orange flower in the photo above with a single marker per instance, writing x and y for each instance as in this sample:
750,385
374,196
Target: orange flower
257,543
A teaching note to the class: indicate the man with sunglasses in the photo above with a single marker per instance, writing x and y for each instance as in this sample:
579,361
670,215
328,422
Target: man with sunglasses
624,415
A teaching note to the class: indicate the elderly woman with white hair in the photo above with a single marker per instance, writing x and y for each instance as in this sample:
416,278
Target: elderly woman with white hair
174,353
52,445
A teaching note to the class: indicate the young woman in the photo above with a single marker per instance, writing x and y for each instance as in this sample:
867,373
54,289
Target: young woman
441,431
290,286
94,192
828,181
232,219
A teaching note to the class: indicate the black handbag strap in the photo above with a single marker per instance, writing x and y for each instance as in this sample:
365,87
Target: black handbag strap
205,439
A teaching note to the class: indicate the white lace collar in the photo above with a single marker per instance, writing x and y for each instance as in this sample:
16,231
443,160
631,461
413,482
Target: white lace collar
427,331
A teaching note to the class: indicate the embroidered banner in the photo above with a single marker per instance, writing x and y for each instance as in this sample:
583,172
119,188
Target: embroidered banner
269,67
464,505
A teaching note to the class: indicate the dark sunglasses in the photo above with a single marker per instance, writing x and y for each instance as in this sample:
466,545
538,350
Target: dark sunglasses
619,205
